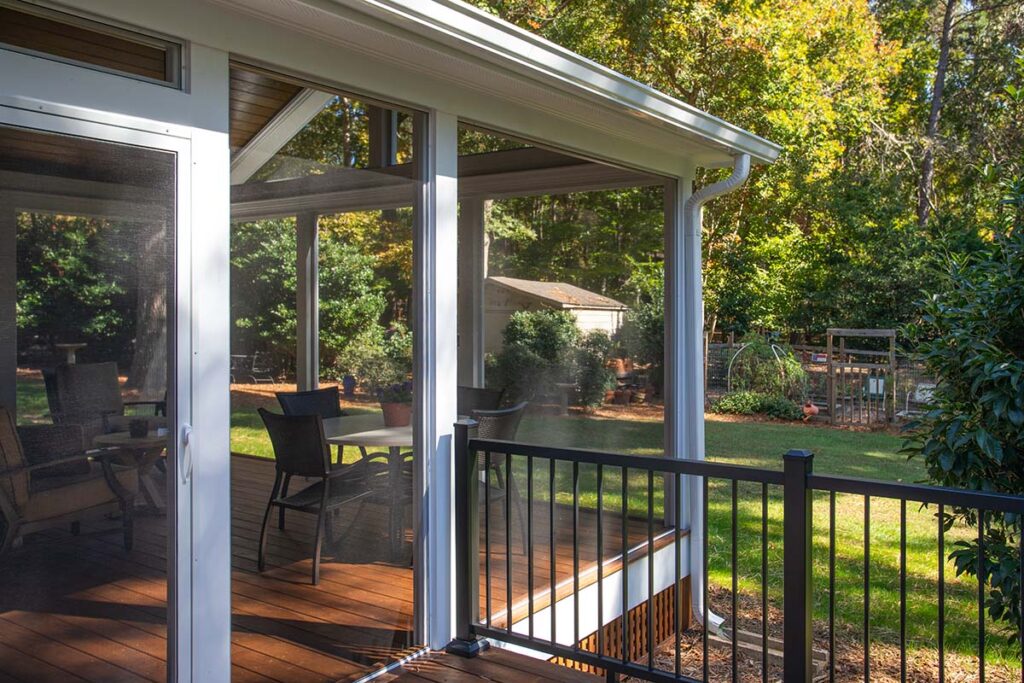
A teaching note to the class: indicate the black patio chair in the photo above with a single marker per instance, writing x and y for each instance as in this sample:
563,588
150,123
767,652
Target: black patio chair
324,402
502,425
300,449
469,399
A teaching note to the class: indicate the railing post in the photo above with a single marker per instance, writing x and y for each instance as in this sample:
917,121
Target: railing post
797,601
467,543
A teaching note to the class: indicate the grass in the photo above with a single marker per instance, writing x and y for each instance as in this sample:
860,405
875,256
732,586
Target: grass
840,452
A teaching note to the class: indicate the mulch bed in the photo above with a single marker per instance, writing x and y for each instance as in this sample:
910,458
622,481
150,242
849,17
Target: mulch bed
922,664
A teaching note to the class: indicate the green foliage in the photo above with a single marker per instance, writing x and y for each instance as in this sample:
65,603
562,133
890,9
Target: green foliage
643,331
263,282
593,378
744,402
768,369
544,348
971,337
76,283
537,353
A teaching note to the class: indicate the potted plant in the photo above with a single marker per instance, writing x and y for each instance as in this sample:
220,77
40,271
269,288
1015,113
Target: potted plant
396,404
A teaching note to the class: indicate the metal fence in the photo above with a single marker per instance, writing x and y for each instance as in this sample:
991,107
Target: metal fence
631,652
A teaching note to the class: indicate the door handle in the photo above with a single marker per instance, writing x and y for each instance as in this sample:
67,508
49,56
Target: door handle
185,462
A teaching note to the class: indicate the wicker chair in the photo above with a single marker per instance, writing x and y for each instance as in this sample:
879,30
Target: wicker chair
469,399
89,395
502,425
300,449
47,480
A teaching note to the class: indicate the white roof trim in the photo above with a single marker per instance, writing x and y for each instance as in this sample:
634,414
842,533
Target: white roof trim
473,31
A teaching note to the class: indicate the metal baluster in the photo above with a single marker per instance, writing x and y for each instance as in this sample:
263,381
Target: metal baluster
529,540
487,532
508,542
677,538
650,570
704,588
867,589
625,565
942,595
576,555
600,560
831,586
903,591
552,549
735,582
981,596
764,583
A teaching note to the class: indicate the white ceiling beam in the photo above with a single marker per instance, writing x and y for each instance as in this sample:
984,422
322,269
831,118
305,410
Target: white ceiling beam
284,125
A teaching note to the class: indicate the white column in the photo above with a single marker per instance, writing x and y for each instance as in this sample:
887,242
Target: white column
472,278
210,502
435,302
307,303
680,402
8,304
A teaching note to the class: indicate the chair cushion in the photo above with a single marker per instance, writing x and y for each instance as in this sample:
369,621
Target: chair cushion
56,496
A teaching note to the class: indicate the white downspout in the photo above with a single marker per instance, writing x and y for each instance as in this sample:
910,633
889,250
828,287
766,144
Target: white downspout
693,349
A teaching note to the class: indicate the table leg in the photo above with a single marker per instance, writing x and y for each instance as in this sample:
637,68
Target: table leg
151,491
395,516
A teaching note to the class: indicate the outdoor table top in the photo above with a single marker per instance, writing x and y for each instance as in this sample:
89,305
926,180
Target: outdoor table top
385,437
126,440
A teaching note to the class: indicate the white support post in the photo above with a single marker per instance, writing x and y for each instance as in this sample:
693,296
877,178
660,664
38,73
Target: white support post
677,394
307,302
435,252
472,280
8,305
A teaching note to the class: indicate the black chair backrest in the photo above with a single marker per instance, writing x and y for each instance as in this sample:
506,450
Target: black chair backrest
324,402
299,444
469,399
499,424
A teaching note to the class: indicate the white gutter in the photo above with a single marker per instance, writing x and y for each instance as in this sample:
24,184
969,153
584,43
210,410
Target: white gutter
693,343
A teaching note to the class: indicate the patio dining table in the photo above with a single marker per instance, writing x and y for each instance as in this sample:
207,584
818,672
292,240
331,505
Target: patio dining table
369,432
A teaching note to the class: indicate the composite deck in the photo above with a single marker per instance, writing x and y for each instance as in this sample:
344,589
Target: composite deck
80,608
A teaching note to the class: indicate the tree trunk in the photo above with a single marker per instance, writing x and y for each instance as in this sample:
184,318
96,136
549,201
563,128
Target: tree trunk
148,372
925,190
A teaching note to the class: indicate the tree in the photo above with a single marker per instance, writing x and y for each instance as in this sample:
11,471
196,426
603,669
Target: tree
971,337
263,281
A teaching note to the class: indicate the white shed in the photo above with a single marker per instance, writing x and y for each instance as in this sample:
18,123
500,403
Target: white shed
506,295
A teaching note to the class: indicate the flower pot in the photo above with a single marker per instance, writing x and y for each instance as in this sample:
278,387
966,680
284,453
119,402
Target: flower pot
397,414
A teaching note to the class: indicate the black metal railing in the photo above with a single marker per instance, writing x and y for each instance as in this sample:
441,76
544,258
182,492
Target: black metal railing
485,471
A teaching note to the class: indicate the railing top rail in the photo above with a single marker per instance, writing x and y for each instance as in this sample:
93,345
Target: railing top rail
701,468
978,500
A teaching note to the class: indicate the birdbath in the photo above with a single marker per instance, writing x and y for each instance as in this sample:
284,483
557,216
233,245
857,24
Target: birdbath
564,389
70,350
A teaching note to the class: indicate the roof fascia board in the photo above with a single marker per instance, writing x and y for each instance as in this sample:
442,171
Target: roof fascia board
471,30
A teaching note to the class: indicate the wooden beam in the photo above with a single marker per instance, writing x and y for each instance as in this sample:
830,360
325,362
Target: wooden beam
285,124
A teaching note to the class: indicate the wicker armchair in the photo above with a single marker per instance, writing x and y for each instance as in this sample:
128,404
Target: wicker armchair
89,395
46,480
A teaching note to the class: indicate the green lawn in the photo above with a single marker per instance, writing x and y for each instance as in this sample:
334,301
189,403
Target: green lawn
862,454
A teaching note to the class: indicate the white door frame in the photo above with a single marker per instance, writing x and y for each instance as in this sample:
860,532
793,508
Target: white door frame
198,570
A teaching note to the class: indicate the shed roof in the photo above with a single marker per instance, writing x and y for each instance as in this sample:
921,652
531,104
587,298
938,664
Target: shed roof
561,294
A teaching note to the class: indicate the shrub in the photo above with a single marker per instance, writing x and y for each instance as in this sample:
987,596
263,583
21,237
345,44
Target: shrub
643,331
539,351
593,378
971,338
745,402
766,369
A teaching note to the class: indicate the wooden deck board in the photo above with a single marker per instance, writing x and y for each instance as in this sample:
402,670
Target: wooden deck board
494,665
80,608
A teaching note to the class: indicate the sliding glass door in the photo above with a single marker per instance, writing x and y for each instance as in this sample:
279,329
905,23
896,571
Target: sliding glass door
95,387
